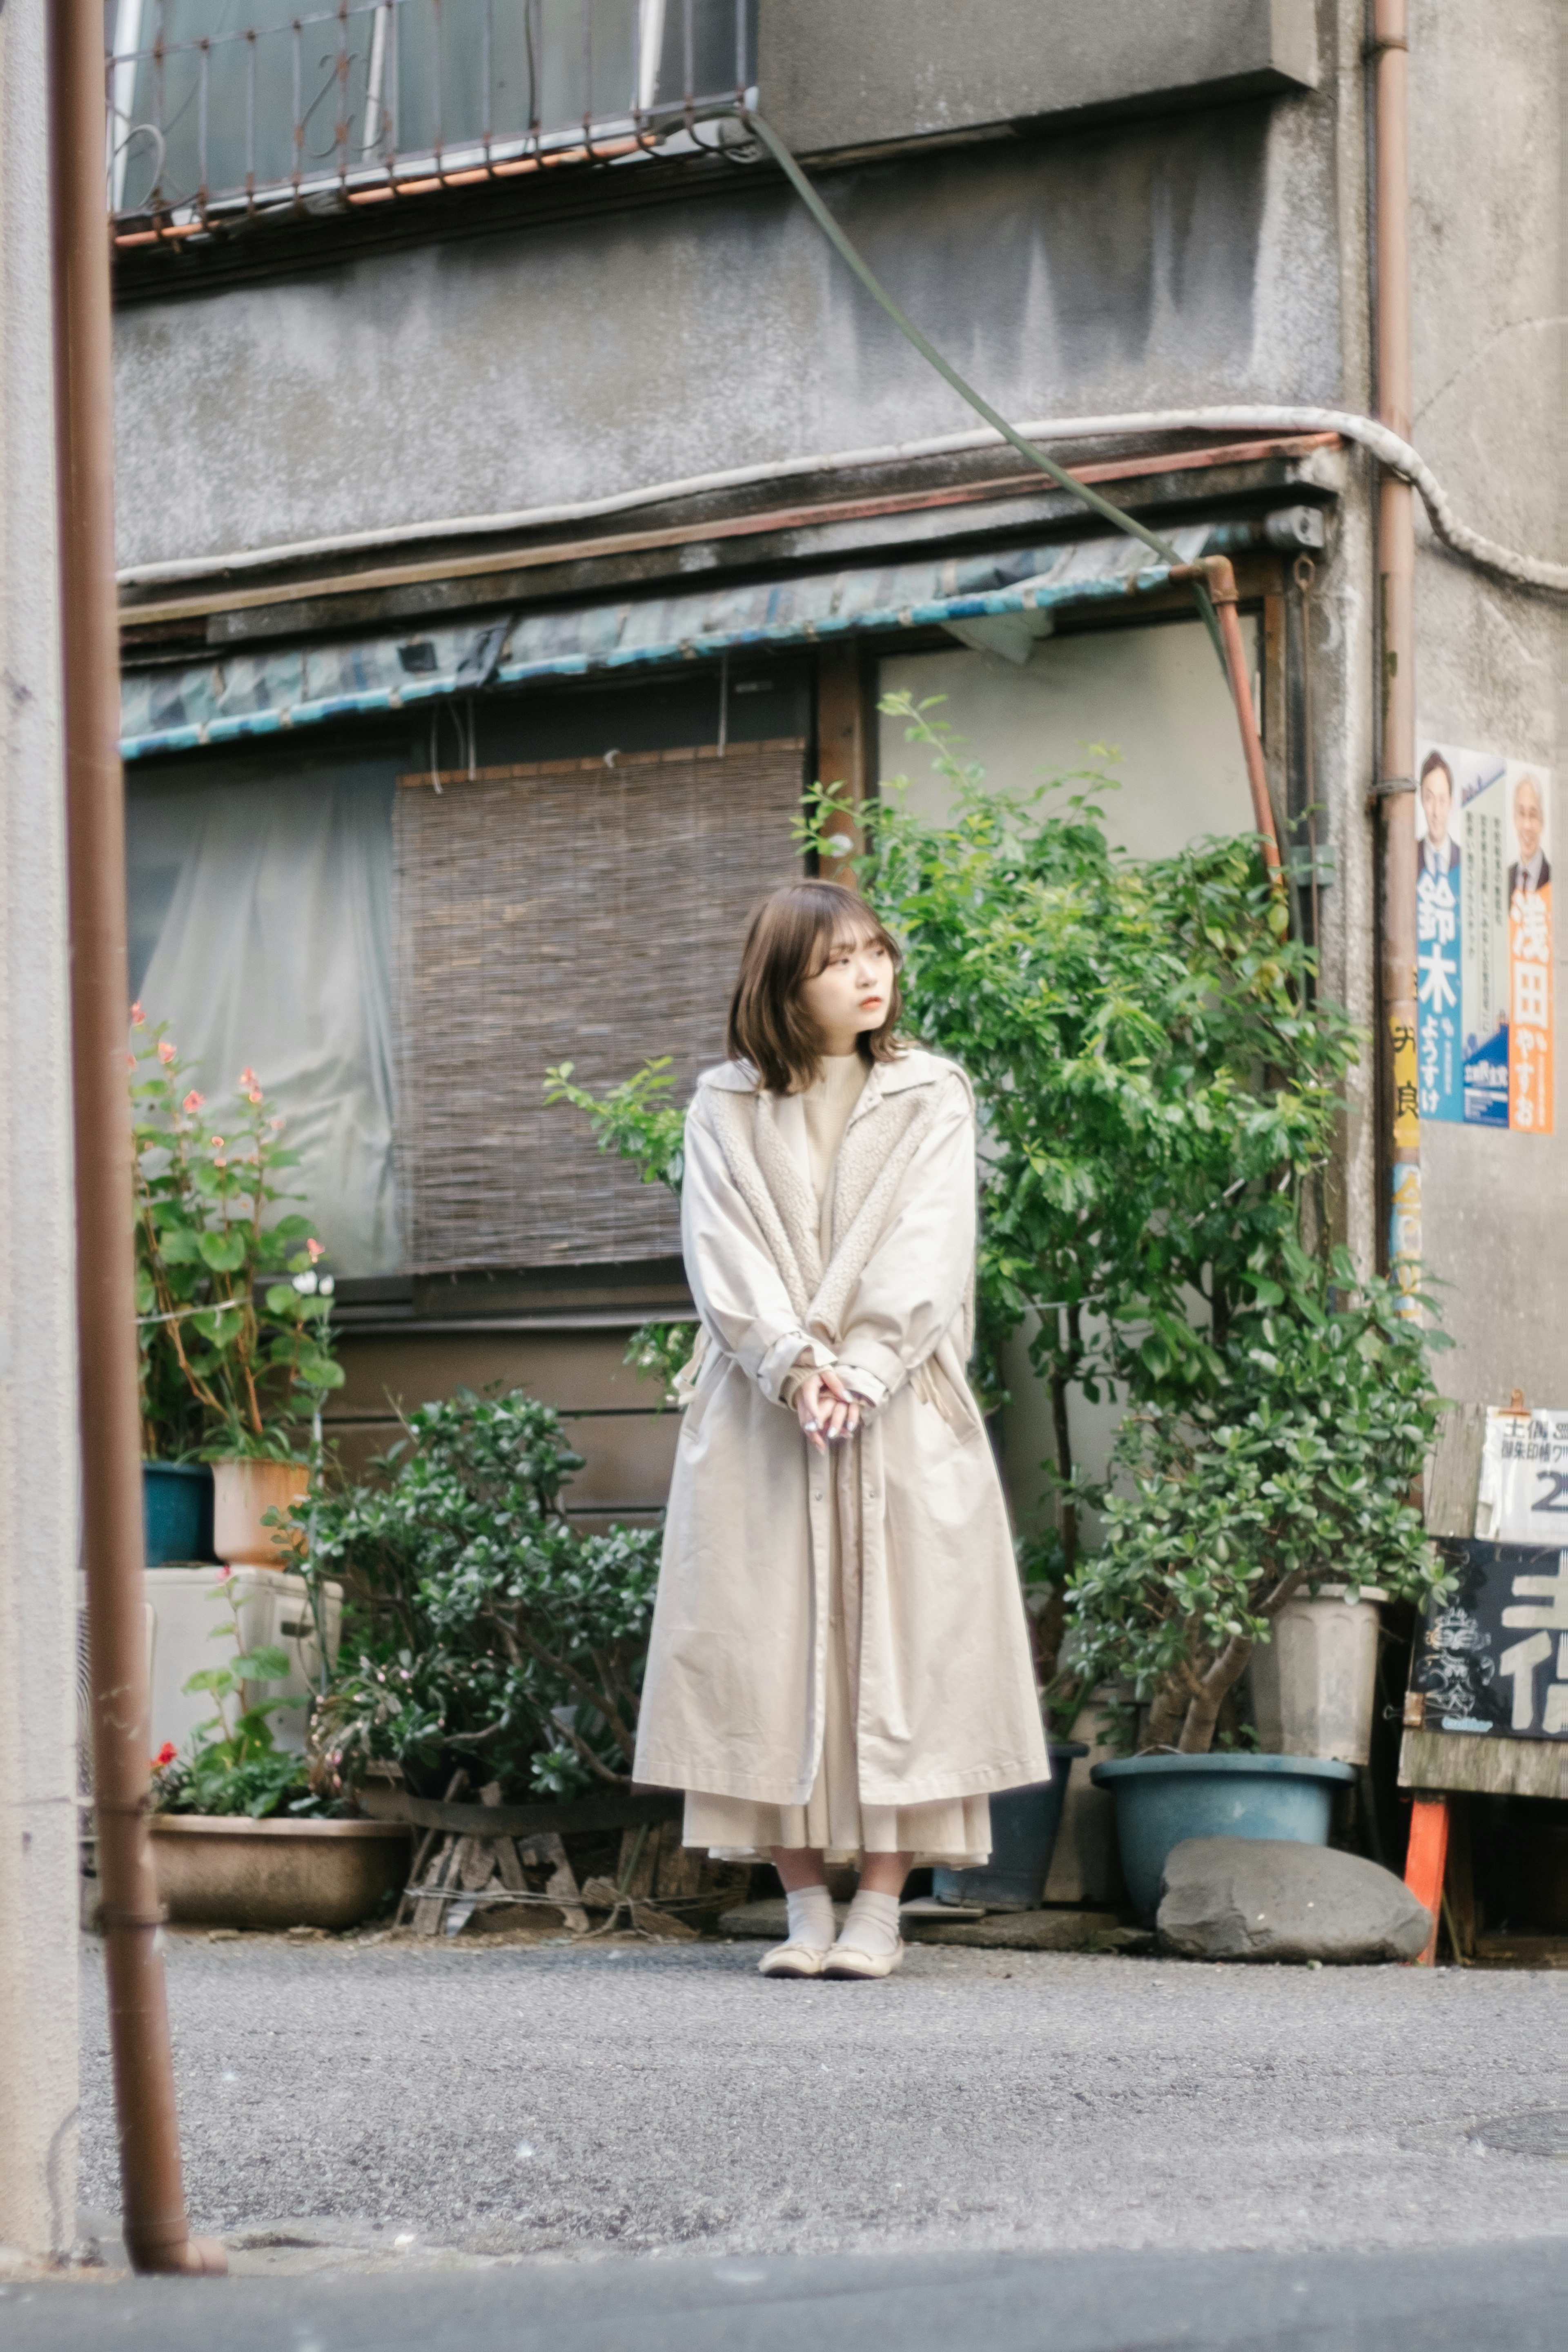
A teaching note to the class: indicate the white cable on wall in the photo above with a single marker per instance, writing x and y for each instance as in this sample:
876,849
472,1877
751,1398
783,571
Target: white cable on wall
1387,448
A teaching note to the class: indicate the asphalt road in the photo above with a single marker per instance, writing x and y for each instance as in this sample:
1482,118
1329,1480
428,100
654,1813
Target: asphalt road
424,2144
1456,2300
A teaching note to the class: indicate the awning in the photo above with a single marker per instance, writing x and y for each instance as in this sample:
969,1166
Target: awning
185,710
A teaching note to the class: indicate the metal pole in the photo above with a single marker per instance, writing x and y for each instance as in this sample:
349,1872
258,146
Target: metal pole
157,2236
1400,1123
1221,577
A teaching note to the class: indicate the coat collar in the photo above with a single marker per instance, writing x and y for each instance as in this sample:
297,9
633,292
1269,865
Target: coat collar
914,1068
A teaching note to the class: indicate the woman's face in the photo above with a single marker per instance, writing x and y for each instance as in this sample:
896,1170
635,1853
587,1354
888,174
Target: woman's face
850,995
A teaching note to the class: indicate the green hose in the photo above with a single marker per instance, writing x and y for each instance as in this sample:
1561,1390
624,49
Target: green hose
927,352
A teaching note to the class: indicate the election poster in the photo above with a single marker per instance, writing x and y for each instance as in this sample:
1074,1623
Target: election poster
1483,939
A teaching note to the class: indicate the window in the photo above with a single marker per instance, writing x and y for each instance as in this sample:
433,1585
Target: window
259,912
230,106
573,909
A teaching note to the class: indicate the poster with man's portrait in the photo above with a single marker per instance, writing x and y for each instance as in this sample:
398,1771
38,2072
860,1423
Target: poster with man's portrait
1483,938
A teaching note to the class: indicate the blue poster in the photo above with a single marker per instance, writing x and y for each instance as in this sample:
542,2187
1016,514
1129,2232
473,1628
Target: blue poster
1483,939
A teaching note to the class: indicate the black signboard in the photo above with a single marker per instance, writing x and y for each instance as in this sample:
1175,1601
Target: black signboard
1493,1657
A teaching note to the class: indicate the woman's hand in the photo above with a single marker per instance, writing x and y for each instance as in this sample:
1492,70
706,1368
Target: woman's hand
825,1409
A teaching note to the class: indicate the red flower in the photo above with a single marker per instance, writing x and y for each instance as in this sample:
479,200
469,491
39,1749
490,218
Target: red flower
165,1053
166,1755
137,1016
317,1249
192,1102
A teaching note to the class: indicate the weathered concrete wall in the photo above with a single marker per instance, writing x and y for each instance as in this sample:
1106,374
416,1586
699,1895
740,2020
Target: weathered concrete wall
37,1358
1488,94
1185,259
832,77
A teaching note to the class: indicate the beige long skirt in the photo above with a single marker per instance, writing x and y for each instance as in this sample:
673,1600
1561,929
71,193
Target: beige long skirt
952,1831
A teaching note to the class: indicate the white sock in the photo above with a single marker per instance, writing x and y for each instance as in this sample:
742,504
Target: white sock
811,1918
872,1925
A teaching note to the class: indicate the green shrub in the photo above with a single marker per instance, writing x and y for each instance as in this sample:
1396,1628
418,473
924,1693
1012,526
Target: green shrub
480,1627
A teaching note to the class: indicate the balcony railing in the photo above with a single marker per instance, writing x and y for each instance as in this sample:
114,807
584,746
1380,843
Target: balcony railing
220,108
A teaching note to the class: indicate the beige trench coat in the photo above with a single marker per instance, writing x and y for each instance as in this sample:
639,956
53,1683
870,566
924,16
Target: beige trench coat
734,1694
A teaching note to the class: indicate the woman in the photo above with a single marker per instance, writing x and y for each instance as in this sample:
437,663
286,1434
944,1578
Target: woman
840,1667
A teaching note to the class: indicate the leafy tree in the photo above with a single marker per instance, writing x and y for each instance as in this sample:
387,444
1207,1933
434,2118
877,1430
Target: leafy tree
479,1623
1158,1083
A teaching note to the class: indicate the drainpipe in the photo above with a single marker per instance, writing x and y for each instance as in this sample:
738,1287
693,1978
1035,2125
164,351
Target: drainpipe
1394,791
1217,571
157,2236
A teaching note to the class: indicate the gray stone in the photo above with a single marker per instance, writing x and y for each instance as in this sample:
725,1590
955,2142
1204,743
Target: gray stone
1231,1898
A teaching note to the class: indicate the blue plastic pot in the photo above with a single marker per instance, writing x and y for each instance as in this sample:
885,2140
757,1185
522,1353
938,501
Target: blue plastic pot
1024,1825
1162,1799
177,1511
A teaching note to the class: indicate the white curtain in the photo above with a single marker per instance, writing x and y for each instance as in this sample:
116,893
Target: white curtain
260,930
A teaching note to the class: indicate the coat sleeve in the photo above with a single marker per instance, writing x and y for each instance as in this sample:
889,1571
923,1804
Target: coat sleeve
740,1293
918,1276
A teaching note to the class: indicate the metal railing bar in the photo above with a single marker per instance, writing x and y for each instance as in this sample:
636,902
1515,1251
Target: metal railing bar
250,120
486,70
377,165
298,119
437,28
202,63
341,128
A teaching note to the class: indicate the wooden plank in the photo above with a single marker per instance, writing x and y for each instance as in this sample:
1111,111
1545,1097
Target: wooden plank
842,733
1488,1768
1455,1470
613,1810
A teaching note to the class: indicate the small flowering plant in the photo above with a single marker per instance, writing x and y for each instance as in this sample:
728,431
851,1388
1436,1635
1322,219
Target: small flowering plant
234,1765
233,1316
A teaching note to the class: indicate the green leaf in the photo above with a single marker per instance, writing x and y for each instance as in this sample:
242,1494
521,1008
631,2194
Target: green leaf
265,1663
224,1252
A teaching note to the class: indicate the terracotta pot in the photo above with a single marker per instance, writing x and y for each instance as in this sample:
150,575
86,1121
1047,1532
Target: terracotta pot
242,1493
225,1871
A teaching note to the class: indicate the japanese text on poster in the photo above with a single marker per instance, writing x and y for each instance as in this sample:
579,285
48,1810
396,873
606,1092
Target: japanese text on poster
1483,934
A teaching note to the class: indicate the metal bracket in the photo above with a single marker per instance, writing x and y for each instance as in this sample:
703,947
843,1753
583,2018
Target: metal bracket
1306,866
1388,788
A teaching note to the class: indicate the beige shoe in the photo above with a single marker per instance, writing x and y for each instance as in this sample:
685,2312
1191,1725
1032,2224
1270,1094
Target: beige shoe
846,1961
792,1960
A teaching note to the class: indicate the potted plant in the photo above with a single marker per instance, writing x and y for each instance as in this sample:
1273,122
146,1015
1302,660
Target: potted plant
233,1314
489,1644
481,1626
1293,1472
238,1837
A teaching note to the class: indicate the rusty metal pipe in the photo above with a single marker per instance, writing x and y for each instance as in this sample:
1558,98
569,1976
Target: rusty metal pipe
157,2236
1394,792
1220,574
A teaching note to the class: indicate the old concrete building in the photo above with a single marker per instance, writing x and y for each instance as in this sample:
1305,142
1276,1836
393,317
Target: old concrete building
521,502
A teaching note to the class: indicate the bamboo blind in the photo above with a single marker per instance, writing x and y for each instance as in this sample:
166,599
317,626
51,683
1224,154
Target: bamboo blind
570,910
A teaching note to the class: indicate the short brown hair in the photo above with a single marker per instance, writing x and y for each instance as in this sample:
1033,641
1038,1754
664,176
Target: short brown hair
789,940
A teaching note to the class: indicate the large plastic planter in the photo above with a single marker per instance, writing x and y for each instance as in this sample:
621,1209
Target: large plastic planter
1024,1825
1163,1800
